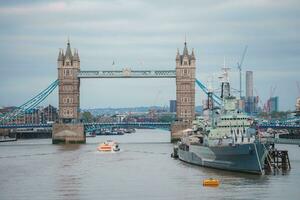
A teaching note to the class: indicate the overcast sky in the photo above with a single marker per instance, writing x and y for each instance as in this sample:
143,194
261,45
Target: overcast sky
145,35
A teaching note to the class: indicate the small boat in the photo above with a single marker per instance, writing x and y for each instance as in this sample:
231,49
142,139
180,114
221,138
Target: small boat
108,146
91,134
211,182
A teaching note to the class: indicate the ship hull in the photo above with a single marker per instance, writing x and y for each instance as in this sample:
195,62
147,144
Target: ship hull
247,158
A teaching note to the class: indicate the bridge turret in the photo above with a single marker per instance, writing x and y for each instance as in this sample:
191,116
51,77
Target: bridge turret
76,59
60,55
193,58
177,56
185,50
68,51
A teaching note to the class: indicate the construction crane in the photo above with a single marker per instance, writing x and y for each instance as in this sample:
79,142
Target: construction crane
239,65
262,105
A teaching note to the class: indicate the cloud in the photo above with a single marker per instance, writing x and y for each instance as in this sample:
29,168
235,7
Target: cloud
131,32
52,7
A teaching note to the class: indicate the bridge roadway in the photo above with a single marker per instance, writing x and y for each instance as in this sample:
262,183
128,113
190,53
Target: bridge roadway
96,126
280,126
290,123
128,73
284,141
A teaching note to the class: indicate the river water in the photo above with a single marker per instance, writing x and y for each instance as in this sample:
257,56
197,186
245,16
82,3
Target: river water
143,169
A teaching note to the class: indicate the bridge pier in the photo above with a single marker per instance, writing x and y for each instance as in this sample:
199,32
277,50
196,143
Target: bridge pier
68,134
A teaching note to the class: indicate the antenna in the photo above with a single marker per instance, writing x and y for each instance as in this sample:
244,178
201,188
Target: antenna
239,64
225,70
210,84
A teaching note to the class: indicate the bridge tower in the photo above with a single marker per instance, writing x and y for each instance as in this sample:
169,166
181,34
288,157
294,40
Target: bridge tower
185,85
68,68
68,129
185,92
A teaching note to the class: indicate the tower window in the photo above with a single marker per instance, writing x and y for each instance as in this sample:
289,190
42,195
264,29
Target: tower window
185,71
185,62
66,72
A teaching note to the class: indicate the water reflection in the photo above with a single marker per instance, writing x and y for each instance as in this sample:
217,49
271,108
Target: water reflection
68,177
69,147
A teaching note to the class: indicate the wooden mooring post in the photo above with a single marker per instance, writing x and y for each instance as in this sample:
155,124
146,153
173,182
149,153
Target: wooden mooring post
277,160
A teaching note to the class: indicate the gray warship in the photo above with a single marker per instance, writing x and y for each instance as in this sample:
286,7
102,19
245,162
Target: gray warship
226,140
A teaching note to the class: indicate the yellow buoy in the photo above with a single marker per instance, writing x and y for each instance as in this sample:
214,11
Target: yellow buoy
211,182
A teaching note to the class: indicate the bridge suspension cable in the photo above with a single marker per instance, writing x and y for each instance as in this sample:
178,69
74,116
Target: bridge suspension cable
33,102
215,98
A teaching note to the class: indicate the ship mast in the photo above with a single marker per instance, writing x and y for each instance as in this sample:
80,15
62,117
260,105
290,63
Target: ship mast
225,85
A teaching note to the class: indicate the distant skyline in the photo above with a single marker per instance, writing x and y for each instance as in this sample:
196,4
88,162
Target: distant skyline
144,34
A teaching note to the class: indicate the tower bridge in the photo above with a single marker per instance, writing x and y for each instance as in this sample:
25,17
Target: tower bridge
69,127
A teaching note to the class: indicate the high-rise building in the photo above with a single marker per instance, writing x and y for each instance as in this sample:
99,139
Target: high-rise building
185,85
273,104
68,68
298,106
249,84
251,105
172,106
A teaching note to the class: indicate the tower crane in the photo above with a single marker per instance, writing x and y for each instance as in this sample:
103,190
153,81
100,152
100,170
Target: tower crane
262,105
239,66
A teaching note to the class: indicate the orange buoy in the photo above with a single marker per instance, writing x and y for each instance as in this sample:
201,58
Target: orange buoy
211,182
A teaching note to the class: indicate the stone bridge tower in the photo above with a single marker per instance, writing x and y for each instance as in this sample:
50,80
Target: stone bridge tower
185,92
69,129
68,68
185,85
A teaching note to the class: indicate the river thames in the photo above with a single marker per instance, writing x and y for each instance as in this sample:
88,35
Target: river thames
143,169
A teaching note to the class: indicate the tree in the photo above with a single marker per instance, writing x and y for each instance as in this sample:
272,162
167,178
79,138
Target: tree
87,117
166,118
